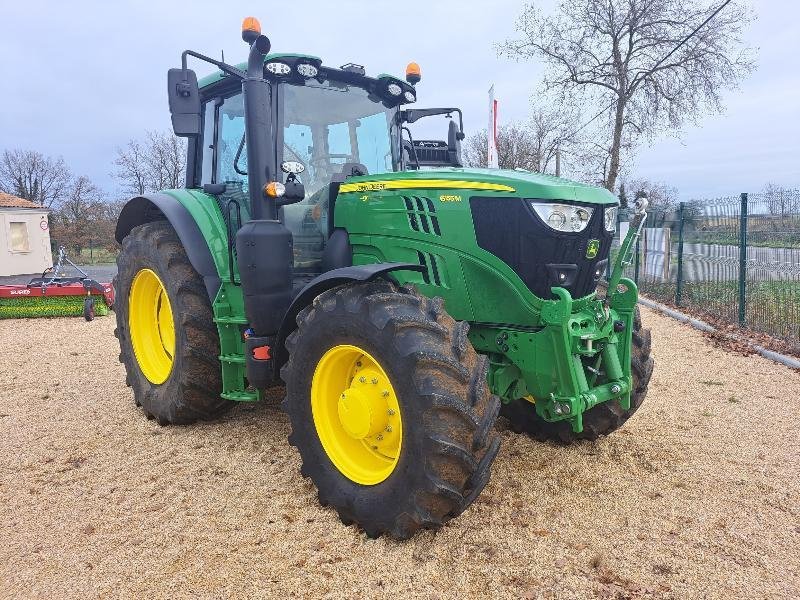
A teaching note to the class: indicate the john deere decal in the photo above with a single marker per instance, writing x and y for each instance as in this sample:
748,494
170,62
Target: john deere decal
592,249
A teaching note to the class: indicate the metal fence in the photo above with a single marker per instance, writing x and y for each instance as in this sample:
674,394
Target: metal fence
736,259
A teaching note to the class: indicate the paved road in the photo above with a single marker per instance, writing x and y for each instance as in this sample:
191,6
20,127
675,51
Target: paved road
101,273
704,262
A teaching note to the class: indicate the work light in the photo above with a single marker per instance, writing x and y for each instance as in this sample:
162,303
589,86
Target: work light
278,68
394,89
610,218
307,70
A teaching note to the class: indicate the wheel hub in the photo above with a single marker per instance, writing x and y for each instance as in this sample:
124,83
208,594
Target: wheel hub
356,414
363,410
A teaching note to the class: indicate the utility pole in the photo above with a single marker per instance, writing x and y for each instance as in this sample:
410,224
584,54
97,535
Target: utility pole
558,161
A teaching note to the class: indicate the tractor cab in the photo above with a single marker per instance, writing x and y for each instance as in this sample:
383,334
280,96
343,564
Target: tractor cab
327,125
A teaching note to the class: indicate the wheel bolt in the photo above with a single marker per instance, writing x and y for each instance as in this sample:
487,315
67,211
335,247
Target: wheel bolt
391,412
362,379
374,381
389,429
385,394
380,437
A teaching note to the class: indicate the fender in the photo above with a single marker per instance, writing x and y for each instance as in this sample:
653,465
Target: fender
154,207
326,281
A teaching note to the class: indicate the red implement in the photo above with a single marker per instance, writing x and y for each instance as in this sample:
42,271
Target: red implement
54,289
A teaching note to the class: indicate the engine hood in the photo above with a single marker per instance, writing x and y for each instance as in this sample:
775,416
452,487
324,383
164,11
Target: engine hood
516,183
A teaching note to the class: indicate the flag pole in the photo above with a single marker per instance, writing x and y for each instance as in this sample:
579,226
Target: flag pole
491,132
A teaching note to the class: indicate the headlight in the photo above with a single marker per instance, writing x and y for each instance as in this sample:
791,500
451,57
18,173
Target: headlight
394,89
564,217
279,68
610,218
409,97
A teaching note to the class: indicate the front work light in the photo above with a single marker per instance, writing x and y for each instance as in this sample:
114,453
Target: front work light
563,217
410,97
394,89
307,70
279,68
610,218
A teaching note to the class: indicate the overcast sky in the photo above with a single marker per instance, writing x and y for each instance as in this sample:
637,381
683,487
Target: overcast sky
80,78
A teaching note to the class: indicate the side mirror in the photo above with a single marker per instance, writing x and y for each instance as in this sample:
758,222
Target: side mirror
184,102
295,192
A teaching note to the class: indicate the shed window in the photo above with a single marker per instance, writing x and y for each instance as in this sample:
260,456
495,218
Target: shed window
19,237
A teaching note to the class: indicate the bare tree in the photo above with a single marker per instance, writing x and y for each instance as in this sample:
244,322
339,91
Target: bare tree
660,196
552,130
156,163
34,176
781,201
532,145
633,58
515,149
79,215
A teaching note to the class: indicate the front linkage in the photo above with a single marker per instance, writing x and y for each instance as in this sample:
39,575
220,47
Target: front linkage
580,354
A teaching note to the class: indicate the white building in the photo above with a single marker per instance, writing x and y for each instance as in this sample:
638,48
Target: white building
24,237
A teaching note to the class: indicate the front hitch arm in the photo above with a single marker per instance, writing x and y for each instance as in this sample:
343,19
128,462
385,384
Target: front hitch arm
627,248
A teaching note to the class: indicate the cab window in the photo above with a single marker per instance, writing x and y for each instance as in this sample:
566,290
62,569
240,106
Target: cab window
223,136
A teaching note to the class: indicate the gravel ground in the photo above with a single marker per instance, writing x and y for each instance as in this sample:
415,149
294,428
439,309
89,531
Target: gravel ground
697,496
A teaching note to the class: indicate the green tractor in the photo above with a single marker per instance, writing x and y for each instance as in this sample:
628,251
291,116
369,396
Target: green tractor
404,301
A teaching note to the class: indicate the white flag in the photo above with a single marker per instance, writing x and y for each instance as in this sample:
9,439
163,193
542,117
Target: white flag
492,132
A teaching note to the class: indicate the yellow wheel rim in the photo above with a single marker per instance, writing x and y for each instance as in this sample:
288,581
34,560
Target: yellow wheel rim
151,326
356,414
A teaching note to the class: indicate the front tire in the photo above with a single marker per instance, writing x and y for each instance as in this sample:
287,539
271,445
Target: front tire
414,451
167,335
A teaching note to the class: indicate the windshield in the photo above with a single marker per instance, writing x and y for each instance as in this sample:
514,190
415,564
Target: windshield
326,125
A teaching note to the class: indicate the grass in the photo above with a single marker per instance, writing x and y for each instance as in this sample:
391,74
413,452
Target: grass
772,307
48,306
94,256
754,239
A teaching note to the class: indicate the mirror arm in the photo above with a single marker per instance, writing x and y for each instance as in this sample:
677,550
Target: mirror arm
412,115
224,67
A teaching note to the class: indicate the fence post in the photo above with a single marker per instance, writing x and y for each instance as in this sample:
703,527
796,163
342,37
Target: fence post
679,283
743,261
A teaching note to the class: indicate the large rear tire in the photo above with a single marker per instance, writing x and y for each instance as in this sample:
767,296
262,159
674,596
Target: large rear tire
167,336
389,408
603,418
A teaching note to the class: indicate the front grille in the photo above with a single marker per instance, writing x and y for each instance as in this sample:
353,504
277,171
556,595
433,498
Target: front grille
509,229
